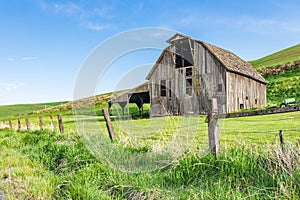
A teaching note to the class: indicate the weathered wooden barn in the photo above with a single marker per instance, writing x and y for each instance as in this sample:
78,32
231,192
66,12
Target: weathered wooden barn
190,72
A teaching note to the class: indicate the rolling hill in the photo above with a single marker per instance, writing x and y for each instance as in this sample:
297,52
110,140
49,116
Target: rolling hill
24,109
278,58
282,71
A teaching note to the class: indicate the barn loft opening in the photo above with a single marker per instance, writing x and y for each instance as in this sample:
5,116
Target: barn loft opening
181,62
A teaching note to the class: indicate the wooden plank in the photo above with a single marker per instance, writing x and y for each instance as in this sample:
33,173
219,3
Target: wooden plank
109,125
213,128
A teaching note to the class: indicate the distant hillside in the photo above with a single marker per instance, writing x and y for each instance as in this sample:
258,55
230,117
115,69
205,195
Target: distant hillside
282,71
281,57
65,107
22,109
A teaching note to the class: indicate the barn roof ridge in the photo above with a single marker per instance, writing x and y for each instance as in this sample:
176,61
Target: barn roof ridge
229,60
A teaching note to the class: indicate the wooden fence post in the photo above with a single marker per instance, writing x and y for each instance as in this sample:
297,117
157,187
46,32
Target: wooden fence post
3,122
281,140
41,123
213,128
109,125
10,124
19,123
27,124
60,123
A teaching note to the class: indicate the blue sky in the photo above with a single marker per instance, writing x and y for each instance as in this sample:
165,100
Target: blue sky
44,43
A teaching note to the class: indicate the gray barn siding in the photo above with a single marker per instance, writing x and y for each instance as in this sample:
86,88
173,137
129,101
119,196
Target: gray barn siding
160,105
244,90
211,73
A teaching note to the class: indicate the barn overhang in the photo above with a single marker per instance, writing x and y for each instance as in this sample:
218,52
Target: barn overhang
138,95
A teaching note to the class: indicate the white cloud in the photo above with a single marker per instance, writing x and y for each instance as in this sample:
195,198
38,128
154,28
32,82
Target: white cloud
97,27
82,13
11,86
29,58
103,12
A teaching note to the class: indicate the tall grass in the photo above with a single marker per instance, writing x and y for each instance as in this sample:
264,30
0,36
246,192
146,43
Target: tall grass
65,169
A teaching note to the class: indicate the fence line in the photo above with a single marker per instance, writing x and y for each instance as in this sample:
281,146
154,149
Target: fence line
29,126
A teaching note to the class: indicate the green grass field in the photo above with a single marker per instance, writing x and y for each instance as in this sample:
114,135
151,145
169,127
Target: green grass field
50,165
278,58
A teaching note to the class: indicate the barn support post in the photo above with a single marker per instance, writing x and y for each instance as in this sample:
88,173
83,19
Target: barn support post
109,105
140,105
109,125
123,104
27,124
213,128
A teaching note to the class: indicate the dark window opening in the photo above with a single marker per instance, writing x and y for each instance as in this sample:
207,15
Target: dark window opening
241,106
163,91
189,72
189,86
246,97
219,87
255,101
181,62
189,82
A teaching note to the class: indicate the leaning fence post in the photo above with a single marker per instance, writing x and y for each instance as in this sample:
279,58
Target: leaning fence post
281,140
213,128
27,124
19,123
60,123
41,123
109,125
10,124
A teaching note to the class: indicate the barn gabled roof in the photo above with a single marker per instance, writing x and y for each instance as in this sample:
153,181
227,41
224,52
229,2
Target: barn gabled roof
234,63
228,59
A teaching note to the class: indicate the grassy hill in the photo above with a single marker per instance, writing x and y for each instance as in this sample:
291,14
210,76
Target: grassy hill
23,109
282,71
281,57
